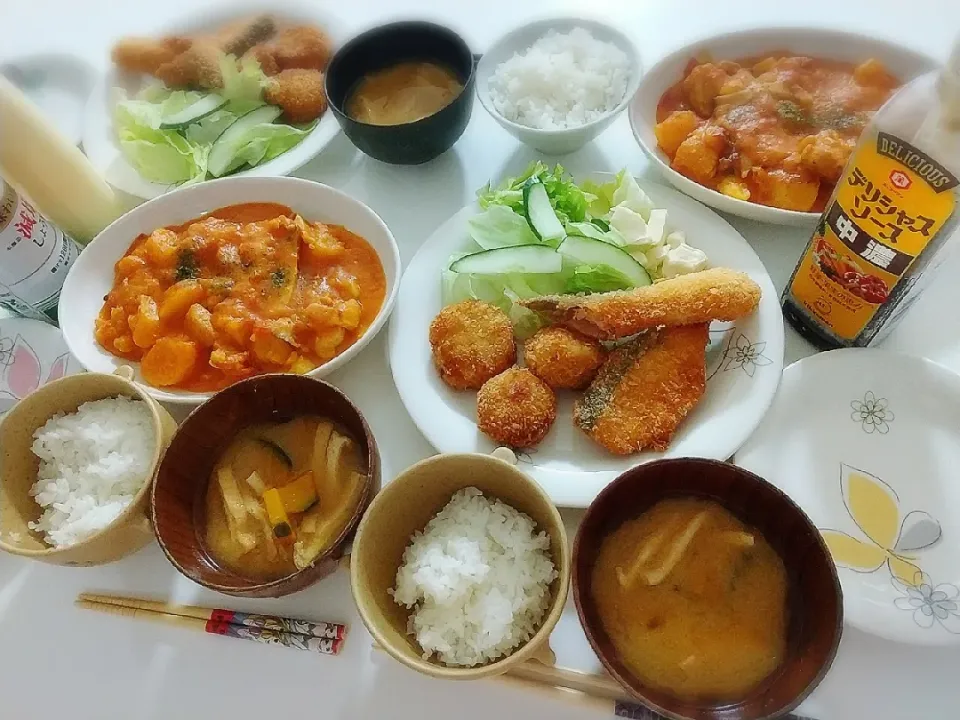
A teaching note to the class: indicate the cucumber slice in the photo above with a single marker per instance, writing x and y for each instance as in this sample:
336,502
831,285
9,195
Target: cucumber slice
206,105
587,251
540,214
224,147
526,259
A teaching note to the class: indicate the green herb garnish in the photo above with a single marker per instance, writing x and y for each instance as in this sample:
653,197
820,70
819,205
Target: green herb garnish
187,266
279,278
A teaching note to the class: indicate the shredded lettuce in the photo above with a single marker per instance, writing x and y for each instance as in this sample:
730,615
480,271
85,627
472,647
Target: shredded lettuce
499,226
618,212
591,279
175,156
569,201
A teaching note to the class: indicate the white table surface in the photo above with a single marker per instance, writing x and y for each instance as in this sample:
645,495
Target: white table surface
56,661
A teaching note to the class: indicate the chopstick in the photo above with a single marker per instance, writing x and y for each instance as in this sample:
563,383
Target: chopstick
321,637
599,692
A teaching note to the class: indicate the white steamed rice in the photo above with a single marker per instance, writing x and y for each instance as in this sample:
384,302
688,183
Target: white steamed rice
92,464
478,579
563,80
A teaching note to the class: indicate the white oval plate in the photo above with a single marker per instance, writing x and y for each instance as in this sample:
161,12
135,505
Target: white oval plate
817,42
32,353
91,276
867,442
100,139
743,366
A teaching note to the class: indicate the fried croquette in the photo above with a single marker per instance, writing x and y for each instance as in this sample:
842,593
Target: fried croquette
303,47
715,294
198,67
562,358
645,389
471,341
516,408
146,55
299,93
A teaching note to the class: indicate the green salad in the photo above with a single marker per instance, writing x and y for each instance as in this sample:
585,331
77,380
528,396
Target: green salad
543,234
183,136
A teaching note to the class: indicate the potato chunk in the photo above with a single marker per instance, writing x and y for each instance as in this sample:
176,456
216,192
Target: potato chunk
146,329
169,362
698,155
702,86
675,129
199,325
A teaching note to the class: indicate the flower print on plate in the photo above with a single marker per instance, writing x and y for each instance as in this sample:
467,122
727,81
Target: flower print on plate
867,443
873,413
931,605
32,353
737,352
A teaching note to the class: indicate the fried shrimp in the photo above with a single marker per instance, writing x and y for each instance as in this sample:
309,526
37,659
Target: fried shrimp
715,294
299,93
563,359
471,341
516,408
645,389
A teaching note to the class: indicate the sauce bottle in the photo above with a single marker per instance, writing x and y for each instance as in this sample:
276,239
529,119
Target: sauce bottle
889,221
34,258
50,170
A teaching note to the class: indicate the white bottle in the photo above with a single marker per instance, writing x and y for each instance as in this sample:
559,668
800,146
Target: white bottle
50,170
34,258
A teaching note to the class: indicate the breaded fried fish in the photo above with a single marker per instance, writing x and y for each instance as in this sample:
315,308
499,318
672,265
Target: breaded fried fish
715,294
146,55
645,389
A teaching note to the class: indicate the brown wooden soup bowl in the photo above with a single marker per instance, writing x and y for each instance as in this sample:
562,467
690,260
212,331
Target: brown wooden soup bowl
815,603
180,487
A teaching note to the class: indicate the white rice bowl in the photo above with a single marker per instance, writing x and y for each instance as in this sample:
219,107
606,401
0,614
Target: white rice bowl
477,579
562,81
92,464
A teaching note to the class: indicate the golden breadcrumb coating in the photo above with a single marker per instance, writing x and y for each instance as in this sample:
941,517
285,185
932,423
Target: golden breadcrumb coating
299,93
645,389
715,294
471,341
562,358
516,408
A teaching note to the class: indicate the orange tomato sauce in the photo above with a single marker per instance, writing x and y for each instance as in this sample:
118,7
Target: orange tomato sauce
775,130
242,290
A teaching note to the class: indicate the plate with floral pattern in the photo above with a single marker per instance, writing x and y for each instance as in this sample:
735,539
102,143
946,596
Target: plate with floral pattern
867,442
32,353
744,360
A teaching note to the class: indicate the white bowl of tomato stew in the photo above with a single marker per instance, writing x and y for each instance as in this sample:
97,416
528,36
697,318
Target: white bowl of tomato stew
224,280
748,119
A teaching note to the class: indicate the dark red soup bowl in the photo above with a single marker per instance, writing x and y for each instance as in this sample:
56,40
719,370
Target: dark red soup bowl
815,603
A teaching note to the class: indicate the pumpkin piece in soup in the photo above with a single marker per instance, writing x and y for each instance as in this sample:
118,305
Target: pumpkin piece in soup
169,362
280,517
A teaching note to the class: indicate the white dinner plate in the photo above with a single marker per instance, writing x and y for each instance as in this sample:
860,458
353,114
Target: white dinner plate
100,139
743,365
32,353
867,442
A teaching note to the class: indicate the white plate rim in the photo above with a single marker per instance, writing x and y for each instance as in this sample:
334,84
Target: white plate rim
759,457
99,141
578,488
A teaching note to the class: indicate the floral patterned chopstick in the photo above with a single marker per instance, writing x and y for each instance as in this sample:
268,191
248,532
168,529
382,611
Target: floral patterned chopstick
322,637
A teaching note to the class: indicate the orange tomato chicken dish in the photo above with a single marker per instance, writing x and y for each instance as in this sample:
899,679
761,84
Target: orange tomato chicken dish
243,290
